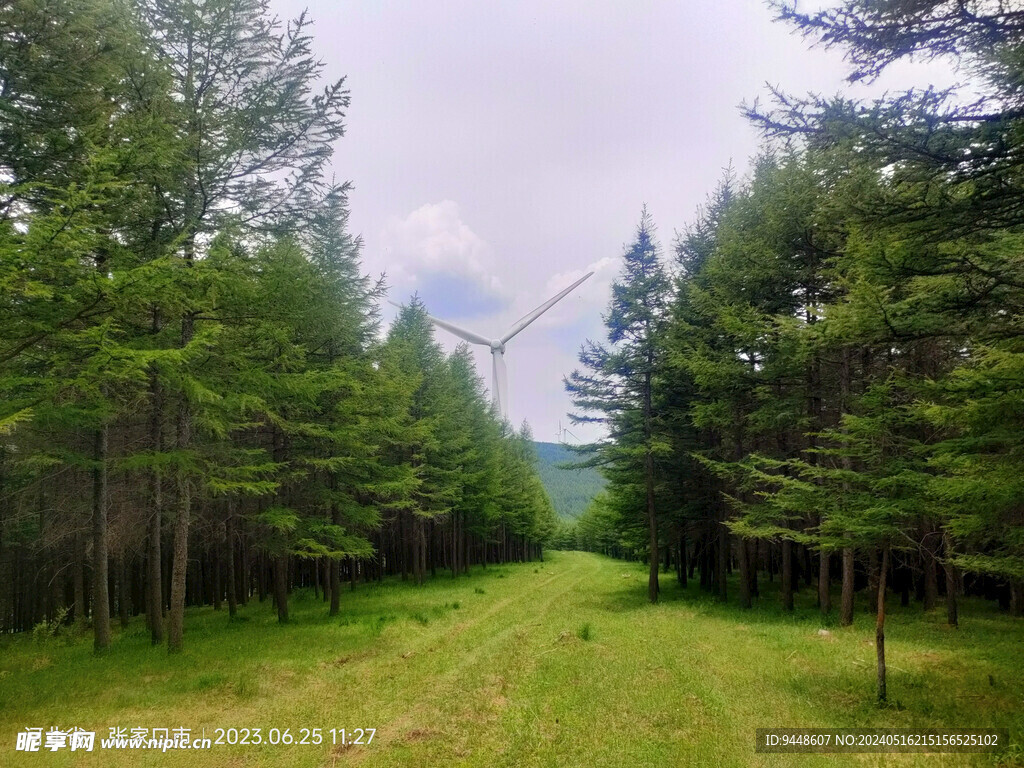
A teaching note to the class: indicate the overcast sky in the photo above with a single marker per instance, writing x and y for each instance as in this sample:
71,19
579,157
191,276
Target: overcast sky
501,150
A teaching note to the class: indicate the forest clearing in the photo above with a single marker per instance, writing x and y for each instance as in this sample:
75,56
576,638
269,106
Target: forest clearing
556,663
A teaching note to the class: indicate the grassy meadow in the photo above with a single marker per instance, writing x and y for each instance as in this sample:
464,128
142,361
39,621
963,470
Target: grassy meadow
560,663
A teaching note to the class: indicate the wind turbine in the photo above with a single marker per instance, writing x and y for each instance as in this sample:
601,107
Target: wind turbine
563,431
499,376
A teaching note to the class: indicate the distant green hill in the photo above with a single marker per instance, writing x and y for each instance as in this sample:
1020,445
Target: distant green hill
570,489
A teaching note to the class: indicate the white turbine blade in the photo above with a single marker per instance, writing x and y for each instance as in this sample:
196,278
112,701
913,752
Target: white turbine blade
527,319
499,383
462,333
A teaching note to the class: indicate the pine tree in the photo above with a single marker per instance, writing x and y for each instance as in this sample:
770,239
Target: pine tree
742,324
475,436
622,379
690,489
251,146
68,149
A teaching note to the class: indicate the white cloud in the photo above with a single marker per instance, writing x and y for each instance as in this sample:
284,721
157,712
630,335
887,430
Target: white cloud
434,251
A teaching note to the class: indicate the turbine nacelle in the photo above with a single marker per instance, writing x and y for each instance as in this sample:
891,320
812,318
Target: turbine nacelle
499,376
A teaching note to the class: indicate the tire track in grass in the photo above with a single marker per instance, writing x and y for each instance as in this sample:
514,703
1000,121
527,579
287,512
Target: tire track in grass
488,643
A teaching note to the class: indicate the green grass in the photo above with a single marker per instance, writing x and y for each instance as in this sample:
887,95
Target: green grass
559,664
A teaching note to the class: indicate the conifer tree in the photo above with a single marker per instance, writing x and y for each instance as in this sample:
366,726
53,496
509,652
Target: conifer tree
185,325
68,149
692,489
621,378
251,146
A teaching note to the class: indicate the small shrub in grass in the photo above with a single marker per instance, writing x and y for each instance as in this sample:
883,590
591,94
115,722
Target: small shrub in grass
585,633
421,618
478,591
456,606
44,630
247,686
377,625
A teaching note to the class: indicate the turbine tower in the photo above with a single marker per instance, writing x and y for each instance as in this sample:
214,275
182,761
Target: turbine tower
499,377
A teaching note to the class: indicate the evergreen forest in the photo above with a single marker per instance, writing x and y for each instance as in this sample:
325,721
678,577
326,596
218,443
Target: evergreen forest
238,492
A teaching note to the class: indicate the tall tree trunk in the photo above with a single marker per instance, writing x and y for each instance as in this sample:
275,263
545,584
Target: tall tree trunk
165,565
179,552
419,551
403,544
281,587
78,578
706,568
217,584
335,563
931,578
744,573
753,548
229,560
846,609
183,512
1017,597
154,583
787,575
797,570
179,563
100,591
454,552
723,556
413,550
681,559
873,564
122,592
139,587
652,584
652,517
245,564
880,625
423,554
845,386
824,583
261,576
952,583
